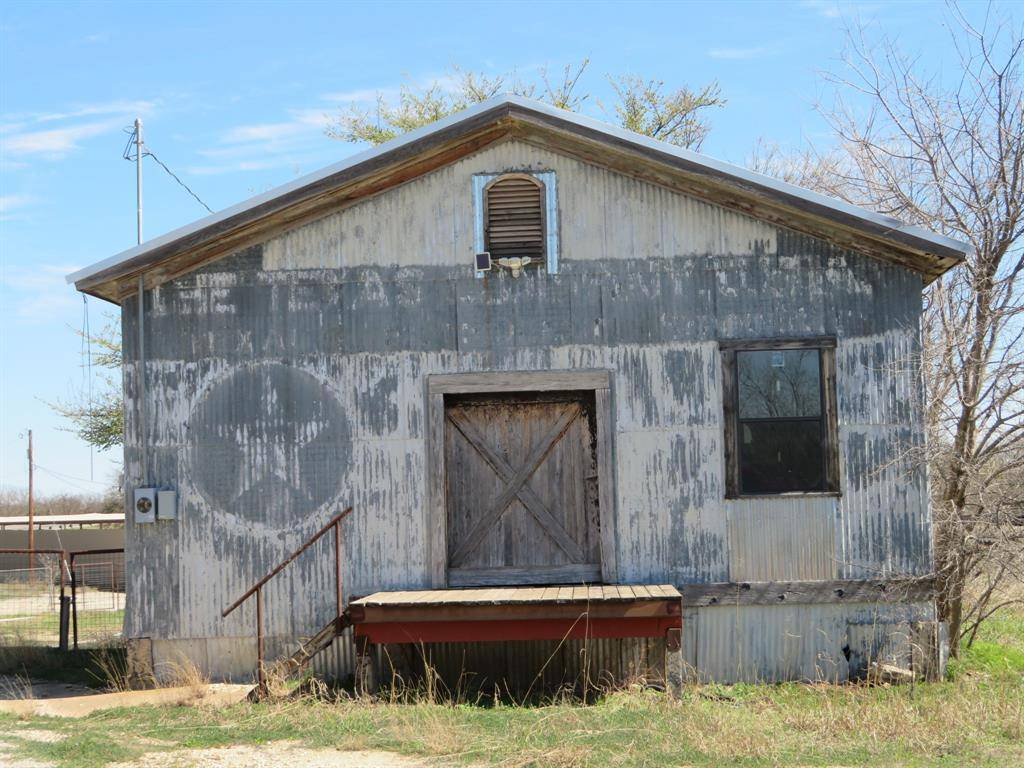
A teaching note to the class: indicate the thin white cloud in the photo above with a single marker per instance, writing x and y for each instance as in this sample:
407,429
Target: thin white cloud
214,169
295,160
40,292
297,141
55,143
740,54
29,134
448,82
302,122
826,8
10,203
360,95
835,9
260,146
37,277
119,107
262,132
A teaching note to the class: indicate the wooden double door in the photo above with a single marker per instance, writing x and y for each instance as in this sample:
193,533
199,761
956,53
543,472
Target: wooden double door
522,488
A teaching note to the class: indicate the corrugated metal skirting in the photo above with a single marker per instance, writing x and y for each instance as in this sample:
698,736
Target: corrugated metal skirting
508,667
814,643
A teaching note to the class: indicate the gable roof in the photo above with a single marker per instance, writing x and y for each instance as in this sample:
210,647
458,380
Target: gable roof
460,134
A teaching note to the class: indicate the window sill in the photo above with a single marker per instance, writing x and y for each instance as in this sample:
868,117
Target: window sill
786,495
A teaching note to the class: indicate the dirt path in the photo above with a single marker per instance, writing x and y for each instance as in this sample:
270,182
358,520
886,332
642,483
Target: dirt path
79,705
273,755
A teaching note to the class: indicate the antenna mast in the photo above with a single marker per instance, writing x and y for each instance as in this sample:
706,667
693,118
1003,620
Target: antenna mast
138,176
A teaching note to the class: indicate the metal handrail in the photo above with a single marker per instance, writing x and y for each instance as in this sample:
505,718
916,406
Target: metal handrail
257,588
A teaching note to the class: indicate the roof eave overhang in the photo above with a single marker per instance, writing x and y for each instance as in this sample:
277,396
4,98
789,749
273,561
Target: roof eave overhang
334,185
442,143
777,202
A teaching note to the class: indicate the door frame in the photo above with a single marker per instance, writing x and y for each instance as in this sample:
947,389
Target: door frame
438,385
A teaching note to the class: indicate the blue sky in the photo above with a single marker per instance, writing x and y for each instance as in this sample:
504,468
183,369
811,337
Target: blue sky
235,97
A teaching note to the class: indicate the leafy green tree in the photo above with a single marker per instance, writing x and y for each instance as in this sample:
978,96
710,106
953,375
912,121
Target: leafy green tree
678,116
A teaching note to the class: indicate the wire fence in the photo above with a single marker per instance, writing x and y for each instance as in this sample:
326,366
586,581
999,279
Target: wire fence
61,599
31,598
97,593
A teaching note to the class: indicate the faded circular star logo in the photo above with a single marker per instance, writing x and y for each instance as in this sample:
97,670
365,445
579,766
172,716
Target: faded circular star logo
270,444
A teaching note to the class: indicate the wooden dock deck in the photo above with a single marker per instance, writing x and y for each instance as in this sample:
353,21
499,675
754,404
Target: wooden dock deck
519,613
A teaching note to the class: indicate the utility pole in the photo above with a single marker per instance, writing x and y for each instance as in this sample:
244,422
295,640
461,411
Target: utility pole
138,176
31,512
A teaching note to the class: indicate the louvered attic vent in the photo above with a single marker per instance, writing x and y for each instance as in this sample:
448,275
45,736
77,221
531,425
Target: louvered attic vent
514,217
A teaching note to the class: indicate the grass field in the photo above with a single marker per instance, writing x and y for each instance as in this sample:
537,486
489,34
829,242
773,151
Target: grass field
45,628
976,717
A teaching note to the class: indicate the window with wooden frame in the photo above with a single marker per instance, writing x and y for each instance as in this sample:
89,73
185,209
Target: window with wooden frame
514,217
781,434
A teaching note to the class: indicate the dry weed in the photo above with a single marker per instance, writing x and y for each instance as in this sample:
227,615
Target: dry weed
113,673
184,674
15,687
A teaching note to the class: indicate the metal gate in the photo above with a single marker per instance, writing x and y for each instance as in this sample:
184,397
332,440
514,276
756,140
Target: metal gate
52,597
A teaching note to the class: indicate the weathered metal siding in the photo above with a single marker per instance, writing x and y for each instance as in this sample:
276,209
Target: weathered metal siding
771,643
782,539
287,381
885,526
428,222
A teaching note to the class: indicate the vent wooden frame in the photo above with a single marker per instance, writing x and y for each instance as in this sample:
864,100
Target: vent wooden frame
438,385
549,183
514,222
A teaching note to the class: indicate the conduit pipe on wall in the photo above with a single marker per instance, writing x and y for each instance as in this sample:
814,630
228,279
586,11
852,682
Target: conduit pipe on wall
143,464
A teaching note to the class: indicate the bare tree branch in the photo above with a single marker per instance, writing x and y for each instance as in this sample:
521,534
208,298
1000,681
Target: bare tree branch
948,154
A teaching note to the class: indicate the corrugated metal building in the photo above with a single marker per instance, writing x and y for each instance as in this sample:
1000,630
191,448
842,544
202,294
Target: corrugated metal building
761,406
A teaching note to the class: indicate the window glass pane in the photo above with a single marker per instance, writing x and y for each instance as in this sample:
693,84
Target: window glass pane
778,383
779,456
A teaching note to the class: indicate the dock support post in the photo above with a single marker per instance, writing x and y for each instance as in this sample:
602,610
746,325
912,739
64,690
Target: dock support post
365,672
674,663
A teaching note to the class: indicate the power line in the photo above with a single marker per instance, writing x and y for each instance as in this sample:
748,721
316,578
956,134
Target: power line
174,176
76,486
64,476
127,155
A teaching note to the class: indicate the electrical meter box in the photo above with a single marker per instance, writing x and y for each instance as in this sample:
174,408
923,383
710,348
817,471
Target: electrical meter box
167,505
145,505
